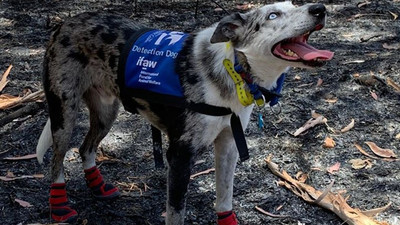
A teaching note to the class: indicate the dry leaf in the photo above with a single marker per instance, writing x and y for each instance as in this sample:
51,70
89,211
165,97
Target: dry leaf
38,176
356,75
385,153
374,95
31,156
10,174
329,143
361,163
395,16
4,81
391,46
348,127
393,84
297,77
398,136
334,168
331,100
23,203
320,81
364,152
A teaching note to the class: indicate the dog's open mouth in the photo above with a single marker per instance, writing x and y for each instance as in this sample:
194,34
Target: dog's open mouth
296,49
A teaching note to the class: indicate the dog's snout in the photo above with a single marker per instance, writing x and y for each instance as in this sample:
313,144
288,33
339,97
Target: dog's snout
317,10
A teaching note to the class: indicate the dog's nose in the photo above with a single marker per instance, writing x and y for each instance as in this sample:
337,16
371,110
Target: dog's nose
317,10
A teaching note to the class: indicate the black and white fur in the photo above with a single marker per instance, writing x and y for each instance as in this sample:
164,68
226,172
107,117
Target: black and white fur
81,63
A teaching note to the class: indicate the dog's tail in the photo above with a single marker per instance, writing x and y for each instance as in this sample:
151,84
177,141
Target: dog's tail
45,141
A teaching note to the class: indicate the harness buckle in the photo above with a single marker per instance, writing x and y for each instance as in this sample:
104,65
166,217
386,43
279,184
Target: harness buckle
277,105
260,102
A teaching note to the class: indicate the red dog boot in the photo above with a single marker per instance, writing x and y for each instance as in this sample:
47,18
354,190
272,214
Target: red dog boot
227,218
59,209
96,183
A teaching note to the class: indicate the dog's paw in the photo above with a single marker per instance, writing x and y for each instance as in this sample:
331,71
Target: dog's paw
227,218
63,214
99,188
60,211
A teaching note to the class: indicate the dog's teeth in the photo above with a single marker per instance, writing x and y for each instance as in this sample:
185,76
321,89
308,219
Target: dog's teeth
289,52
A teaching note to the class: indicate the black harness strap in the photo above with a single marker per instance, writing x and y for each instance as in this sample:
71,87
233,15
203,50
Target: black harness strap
236,125
206,109
157,147
240,140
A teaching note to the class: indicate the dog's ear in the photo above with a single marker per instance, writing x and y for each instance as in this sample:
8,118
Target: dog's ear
228,28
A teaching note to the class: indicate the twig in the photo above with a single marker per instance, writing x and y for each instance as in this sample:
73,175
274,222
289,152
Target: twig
4,81
310,124
366,39
202,173
393,84
270,214
370,14
226,11
29,109
36,96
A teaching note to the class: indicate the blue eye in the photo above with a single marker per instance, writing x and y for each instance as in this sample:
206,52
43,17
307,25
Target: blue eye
272,16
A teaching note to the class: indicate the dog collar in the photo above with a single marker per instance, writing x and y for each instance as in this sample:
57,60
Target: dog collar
253,93
245,97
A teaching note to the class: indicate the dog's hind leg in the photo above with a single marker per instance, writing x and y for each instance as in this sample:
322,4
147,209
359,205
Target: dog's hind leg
180,162
226,156
63,100
103,110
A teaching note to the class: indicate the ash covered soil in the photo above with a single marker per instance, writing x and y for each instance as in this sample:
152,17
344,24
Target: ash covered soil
355,32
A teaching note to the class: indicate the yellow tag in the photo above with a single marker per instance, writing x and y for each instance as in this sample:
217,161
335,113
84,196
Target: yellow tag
245,97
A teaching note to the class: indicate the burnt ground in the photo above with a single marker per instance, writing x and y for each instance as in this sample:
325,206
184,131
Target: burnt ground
355,32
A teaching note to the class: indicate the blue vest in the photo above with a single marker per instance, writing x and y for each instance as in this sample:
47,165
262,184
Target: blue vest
149,66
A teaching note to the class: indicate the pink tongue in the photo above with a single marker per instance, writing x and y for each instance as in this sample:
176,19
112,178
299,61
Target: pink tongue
307,52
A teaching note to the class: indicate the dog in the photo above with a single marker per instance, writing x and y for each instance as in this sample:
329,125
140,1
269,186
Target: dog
81,62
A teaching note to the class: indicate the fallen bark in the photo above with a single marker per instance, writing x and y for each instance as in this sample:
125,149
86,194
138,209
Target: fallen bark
326,199
11,101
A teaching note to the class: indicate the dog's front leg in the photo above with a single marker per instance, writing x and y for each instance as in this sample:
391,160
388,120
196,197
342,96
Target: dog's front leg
180,162
226,156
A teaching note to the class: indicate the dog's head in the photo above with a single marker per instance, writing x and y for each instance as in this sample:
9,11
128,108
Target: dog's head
276,34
